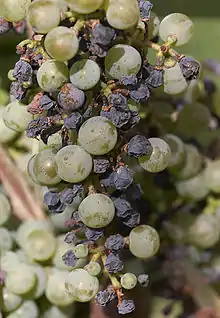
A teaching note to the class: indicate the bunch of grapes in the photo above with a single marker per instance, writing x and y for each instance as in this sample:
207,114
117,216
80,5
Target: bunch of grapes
106,119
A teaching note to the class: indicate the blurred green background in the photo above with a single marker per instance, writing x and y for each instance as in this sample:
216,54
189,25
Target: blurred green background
204,44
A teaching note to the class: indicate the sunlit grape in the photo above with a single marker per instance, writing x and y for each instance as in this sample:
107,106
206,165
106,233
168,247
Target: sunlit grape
14,10
52,75
176,24
61,43
81,285
122,60
97,135
122,14
43,15
144,241
84,74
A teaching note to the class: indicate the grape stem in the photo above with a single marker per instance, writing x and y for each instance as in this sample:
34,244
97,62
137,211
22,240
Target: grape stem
114,281
80,23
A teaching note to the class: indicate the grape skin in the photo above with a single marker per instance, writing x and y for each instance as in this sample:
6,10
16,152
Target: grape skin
97,135
159,158
177,148
40,245
21,280
122,14
61,43
56,290
28,309
81,285
44,167
174,81
74,164
52,75
97,210
6,134
128,281
144,241
204,232
85,74
9,301
16,116
43,15
176,24
122,60
14,10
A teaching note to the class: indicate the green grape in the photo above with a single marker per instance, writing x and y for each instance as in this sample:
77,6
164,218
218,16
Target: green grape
61,43
93,268
59,220
174,81
192,165
212,176
45,168
193,92
55,141
52,75
16,116
9,301
97,135
30,169
97,210
128,281
21,280
84,6
40,245
159,303
6,240
194,188
56,290
81,285
81,251
144,241
122,60
14,10
73,163
41,281
24,258
28,309
178,25
9,261
57,312
186,119
27,227
85,74
122,14
43,15
159,158
5,209
62,248
6,134
204,232
153,25
177,148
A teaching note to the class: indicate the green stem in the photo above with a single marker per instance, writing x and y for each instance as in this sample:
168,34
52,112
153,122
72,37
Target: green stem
28,42
80,23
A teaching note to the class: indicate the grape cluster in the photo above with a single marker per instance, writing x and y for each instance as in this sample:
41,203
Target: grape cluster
81,87
29,285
